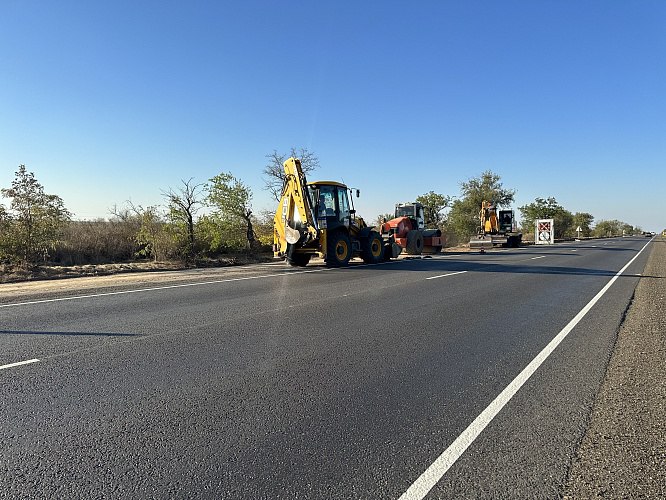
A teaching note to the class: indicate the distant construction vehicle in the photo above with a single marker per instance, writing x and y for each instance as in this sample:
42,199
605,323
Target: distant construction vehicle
498,228
319,219
408,230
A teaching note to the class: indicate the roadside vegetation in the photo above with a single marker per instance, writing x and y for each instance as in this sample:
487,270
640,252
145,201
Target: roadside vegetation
209,223
461,221
198,224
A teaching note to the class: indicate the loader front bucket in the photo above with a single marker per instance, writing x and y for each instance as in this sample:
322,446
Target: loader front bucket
291,235
480,242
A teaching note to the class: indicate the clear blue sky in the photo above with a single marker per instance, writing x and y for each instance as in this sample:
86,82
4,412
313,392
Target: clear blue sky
109,101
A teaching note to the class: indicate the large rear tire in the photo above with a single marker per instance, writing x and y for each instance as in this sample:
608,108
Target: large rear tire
372,248
414,242
339,250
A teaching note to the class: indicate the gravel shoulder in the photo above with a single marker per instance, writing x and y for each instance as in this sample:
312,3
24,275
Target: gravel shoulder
623,453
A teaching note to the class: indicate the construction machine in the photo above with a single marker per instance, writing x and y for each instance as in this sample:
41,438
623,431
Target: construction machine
408,230
498,228
319,219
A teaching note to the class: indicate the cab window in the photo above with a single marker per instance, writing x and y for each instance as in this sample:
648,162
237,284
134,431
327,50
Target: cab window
343,204
326,202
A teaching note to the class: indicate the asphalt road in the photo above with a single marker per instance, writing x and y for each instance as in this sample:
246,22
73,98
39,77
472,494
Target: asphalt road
316,383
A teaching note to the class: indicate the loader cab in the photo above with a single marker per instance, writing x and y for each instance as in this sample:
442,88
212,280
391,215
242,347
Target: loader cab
331,204
506,218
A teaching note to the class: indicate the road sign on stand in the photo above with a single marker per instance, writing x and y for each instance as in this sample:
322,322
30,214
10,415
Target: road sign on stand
545,232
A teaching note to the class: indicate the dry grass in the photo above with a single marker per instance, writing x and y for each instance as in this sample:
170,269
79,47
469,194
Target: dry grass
13,274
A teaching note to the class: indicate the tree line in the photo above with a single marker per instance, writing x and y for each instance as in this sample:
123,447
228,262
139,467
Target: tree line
36,227
462,220
195,220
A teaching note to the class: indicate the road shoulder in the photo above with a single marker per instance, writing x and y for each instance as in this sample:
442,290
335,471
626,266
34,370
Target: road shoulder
623,452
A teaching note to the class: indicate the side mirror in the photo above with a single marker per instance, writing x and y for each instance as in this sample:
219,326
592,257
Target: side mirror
358,193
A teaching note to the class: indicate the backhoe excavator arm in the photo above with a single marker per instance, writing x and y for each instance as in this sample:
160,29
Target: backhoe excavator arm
488,216
293,222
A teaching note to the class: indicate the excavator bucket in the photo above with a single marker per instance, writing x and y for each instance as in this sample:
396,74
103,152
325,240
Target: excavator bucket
291,235
480,242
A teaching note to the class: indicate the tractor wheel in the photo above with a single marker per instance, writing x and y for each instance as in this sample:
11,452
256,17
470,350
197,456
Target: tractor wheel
299,259
372,248
513,241
296,259
414,242
339,250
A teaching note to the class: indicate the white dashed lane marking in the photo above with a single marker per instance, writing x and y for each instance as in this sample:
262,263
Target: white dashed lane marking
19,363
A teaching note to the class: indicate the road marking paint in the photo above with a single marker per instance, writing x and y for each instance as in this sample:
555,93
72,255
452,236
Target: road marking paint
425,482
19,363
539,257
444,275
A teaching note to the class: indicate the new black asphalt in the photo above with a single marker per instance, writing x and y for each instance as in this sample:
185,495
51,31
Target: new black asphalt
319,383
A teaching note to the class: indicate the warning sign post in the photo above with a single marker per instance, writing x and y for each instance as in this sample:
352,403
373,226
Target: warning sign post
544,233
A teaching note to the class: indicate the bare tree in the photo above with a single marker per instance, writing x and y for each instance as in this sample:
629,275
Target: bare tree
183,204
274,170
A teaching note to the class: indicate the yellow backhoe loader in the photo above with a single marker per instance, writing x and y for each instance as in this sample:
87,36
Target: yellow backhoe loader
496,229
318,219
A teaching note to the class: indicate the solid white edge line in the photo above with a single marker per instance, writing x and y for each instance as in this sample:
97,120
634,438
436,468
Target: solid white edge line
426,481
444,275
19,363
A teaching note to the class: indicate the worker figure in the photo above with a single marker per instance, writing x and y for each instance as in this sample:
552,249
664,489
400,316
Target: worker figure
322,206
